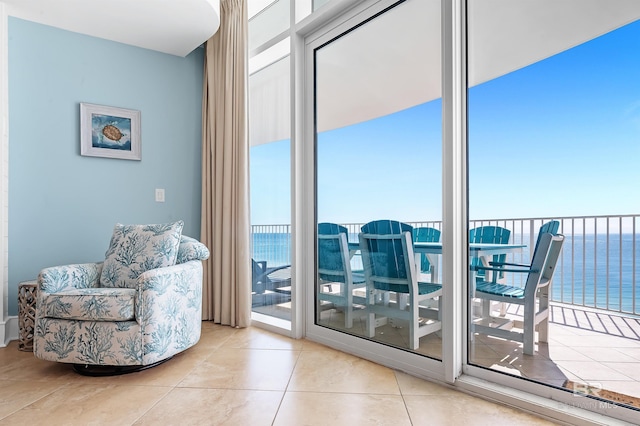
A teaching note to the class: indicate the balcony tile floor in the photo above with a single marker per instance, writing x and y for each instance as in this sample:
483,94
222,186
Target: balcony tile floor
241,377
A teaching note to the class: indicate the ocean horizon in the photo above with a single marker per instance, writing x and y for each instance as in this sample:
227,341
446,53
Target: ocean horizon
604,273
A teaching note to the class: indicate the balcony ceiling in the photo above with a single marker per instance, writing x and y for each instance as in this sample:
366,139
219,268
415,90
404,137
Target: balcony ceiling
176,27
380,68
394,61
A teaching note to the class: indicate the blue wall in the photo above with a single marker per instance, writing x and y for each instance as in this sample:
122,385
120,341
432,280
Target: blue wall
63,206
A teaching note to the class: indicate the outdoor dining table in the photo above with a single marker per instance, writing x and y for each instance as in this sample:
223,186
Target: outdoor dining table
480,250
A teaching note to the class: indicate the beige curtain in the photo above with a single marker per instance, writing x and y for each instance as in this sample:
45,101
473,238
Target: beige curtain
225,171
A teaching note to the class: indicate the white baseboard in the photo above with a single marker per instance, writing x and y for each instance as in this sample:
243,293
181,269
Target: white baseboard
8,331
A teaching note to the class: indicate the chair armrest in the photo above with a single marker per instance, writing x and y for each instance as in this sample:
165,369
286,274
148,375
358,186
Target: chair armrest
488,268
191,249
168,292
260,279
276,268
523,265
169,309
67,277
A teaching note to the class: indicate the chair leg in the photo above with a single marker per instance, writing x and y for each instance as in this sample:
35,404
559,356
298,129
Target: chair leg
403,301
503,309
414,339
528,344
371,324
543,309
486,308
439,332
348,309
543,330
386,298
529,328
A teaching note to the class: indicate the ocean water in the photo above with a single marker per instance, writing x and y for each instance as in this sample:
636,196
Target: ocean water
275,248
605,274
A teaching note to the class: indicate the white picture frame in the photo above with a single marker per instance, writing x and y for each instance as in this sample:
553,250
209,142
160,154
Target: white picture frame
110,132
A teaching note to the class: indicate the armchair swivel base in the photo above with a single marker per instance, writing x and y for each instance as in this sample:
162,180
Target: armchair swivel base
112,370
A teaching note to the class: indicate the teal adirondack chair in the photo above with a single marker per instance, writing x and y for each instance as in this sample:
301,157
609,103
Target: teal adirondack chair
389,267
498,265
489,235
550,227
267,289
534,297
426,235
334,269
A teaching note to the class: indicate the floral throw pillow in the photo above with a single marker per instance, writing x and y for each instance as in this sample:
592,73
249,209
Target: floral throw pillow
135,249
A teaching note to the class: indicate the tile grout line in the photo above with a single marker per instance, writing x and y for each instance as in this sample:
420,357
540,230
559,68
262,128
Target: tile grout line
286,388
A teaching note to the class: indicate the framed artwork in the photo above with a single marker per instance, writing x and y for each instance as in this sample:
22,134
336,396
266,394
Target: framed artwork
110,132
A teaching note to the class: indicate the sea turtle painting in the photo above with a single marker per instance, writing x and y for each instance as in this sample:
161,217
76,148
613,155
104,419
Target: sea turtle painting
112,132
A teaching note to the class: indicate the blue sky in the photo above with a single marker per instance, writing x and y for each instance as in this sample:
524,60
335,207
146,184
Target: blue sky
560,137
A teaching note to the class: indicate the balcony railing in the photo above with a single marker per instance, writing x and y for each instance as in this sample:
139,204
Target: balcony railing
599,266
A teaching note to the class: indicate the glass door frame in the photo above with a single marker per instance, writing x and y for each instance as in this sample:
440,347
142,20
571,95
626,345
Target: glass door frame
403,360
454,369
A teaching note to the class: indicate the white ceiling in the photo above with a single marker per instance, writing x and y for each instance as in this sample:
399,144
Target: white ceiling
176,27
389,64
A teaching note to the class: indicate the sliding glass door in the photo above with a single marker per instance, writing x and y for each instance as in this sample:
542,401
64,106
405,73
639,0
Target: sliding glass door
410,190
553,149
378,164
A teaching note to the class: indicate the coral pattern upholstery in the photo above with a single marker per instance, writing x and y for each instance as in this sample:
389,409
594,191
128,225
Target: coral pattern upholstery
151,311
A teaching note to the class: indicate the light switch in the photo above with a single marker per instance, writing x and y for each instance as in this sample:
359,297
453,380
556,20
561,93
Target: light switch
160,195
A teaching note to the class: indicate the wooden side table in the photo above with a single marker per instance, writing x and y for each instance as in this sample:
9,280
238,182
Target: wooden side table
27,292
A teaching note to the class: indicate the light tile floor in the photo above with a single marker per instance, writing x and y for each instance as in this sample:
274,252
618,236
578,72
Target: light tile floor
239,377
588,347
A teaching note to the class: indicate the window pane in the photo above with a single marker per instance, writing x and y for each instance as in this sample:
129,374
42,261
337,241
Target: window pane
553,148
269,22
270,172
379,155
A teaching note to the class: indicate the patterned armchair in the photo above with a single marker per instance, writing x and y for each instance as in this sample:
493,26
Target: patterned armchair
139,307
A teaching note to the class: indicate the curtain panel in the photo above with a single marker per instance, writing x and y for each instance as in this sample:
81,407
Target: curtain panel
225,171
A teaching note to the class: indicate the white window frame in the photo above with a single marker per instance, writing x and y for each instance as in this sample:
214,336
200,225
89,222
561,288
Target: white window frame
329,21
